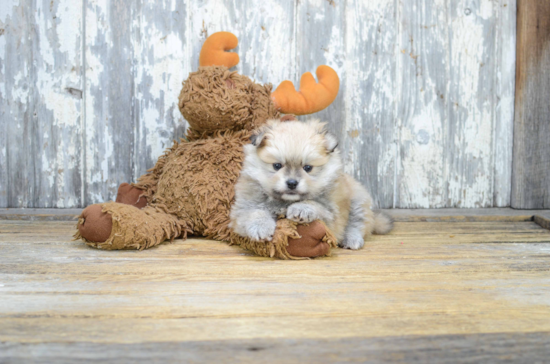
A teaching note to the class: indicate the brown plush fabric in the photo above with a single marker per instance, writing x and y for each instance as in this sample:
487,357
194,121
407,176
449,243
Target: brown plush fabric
292,241
130,195
94,224
133,228
314,241
214,99
191,188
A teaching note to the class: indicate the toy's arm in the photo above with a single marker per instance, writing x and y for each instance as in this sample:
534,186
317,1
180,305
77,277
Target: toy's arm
148,182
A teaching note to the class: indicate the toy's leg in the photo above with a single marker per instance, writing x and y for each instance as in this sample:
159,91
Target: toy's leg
292,241
114,226
130,195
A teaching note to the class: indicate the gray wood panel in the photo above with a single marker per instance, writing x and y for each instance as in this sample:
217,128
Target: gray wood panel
57,96
161,63
470,102
369,129
109,97
488,348
454,110
41,98
531,163
88,93
422,114
503,123
357,39
266,32
17,104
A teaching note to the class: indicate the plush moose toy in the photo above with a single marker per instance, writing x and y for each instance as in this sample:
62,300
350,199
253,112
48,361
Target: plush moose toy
191,188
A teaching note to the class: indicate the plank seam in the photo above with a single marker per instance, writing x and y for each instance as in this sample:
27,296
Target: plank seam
397,92
83,113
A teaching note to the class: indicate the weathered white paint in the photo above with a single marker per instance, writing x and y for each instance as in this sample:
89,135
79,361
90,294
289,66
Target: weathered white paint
40,94
503,123
161,64
266,32
368,128
424,113
58,96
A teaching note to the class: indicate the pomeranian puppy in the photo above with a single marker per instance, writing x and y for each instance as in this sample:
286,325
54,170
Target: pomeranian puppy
294,169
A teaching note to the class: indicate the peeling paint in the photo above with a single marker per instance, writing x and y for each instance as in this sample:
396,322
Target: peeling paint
424,114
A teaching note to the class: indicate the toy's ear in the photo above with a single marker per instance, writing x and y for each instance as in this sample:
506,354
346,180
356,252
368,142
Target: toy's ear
213,52
288,117
312,96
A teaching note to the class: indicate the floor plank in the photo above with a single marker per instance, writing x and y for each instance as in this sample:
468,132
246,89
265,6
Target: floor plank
476,348
448,284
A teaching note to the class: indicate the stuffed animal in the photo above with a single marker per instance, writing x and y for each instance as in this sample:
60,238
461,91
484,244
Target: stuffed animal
191,188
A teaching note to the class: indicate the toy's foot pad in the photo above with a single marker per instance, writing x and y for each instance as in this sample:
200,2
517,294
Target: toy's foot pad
97,225
311,243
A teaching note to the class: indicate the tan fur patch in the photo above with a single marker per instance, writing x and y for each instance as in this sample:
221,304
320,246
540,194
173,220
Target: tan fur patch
341,197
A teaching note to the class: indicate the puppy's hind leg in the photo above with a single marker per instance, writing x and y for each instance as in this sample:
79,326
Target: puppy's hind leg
360,223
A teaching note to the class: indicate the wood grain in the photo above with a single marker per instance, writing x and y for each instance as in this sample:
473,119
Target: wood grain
543,220
57,88
505,88
41,97
265,30
531,163
424,114
456,286
16,88
401,215
422,87
110,128
162,62
359,45
470,101
524,348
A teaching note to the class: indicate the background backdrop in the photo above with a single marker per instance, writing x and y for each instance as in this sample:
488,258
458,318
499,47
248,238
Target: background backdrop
88,90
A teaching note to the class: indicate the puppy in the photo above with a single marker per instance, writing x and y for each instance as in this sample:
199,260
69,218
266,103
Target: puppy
294,169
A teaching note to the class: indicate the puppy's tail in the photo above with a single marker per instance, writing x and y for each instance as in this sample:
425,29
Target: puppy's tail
383,223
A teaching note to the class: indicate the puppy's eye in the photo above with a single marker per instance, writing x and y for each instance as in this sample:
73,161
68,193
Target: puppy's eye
308,168
277,166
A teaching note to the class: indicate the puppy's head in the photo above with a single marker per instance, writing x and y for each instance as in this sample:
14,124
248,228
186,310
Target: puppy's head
293,160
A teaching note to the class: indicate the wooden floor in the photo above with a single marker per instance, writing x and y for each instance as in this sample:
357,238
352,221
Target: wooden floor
429,291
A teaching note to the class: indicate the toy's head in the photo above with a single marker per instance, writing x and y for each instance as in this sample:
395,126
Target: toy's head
215,99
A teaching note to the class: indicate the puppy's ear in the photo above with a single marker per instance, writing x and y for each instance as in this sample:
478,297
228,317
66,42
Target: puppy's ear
258,138
330,142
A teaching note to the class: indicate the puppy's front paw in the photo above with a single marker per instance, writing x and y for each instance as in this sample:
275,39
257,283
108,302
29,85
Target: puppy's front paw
302,212
352,241
261,229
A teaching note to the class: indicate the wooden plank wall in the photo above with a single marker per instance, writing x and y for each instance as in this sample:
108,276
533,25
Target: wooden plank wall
531,164
88,90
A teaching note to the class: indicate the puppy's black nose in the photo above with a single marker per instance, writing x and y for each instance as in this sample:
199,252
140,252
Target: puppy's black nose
292,184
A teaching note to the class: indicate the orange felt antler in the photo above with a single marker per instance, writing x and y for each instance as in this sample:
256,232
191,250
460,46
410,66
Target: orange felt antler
312,96
213,52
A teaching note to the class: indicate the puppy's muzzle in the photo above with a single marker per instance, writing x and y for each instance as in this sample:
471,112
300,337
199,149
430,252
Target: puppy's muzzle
292,184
